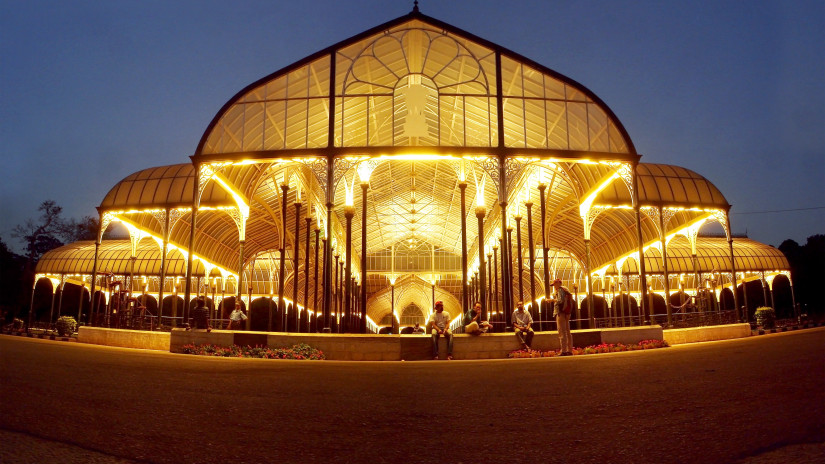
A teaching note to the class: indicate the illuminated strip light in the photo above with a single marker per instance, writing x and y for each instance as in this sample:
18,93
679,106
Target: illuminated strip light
635,254
127,223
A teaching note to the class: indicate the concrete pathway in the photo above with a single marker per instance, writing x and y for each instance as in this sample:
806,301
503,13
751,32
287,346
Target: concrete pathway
747,401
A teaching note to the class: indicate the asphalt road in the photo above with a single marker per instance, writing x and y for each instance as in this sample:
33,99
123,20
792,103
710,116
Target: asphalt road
755,400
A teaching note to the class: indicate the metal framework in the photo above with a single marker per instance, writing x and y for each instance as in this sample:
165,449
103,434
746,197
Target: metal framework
440,127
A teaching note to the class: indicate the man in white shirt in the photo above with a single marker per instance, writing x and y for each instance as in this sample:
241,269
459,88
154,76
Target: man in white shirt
441,326
236,318
522,320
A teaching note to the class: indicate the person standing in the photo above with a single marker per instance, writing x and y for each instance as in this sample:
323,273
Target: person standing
522,322
473,324
236,318
562,315
441,326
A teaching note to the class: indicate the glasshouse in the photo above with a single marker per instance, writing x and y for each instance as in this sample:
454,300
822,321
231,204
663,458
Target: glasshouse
412,163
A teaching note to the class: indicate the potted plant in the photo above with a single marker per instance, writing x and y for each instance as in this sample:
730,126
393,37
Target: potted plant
65,326
765,317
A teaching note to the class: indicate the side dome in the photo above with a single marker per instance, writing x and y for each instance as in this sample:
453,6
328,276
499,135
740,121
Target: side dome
161,187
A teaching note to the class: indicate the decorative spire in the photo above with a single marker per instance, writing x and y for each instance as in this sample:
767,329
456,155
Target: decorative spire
415,6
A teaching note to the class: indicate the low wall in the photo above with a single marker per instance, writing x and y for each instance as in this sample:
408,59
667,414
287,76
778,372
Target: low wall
124,338
706,334
356,347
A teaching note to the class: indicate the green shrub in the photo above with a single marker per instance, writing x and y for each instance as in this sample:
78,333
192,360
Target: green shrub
65,325
765,317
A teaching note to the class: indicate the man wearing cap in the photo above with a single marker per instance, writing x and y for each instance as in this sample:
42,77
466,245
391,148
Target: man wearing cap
441,326
562,319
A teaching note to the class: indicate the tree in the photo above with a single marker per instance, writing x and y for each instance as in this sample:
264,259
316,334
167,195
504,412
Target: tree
807,271
11,282
43,235
84,229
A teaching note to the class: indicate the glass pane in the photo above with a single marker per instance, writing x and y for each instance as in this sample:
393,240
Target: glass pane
556,119
274,125
296,114
513,122
478,130
233,128
380,121
319,77
297,83
510,77
355,115
276,89
533,82
318,124
597,124
253,131
452,121
577,125
536,132
617,142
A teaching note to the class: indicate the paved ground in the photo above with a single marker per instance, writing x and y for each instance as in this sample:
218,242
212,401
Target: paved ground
757,401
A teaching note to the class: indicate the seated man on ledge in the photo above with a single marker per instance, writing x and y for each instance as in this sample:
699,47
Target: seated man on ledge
473,324
200,315
441,326
522,320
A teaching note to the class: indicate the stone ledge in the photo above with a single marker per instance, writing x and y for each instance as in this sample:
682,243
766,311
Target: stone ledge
706,334
124,338
357,347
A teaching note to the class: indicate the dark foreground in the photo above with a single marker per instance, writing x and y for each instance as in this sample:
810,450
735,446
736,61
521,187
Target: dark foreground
759,399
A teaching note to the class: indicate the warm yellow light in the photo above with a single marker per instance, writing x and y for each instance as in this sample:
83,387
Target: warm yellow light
479,190
348,190
585,205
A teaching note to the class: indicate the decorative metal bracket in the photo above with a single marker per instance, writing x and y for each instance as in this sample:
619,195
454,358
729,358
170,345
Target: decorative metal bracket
318,167
722,218
625,172
105,220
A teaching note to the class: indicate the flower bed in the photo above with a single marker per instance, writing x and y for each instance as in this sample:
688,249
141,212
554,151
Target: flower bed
593,349
299,351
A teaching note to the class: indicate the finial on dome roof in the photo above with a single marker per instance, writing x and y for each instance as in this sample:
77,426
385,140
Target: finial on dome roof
415,6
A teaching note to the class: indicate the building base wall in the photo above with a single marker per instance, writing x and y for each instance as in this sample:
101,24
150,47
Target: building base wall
356,347
706,334
124,338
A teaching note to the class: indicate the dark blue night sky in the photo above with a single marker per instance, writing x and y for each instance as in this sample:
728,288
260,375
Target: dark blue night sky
94,91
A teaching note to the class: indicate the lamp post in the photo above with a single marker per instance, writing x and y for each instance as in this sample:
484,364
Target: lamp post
507,261
349,212
392,305
281,271
519,258
532,247
318,326
296,256
363,322
465,304
308,220
480,212
494,276
543,204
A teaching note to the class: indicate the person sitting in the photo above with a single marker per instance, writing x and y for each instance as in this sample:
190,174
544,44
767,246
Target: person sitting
522,322
473,324
200,316
441,326
417,329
